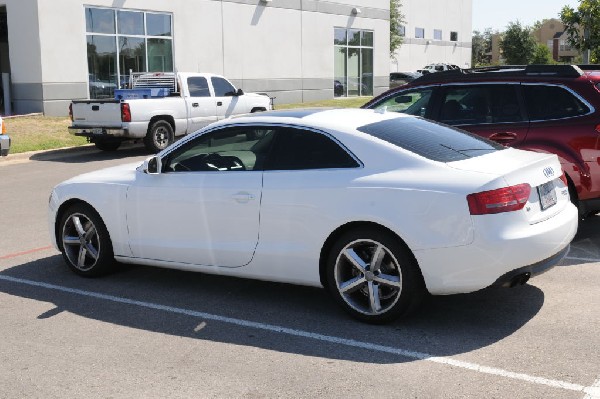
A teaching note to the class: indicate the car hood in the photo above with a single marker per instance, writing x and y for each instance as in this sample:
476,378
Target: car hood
122,174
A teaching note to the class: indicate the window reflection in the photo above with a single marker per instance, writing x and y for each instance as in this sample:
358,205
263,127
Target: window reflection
124,41
130,23
158,24
353,62
99,20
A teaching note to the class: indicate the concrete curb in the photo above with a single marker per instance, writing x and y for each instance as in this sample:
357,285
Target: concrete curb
49,154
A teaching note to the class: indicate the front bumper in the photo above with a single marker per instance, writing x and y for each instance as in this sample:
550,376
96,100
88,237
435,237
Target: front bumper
4,144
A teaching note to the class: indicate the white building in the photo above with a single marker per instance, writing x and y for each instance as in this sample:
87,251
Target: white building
435,31
58,50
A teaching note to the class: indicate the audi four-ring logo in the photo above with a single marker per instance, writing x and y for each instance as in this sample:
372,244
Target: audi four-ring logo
548,172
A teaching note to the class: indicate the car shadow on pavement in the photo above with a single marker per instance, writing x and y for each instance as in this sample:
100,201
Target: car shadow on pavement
444,326
89,153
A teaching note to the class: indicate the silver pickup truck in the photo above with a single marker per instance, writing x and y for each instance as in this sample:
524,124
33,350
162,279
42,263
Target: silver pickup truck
160,107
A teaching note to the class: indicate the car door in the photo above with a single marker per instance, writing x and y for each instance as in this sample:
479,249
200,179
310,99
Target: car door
204,206
228,102
303,189
201,106
493,111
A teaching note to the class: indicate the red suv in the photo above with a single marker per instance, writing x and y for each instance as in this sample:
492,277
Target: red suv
544,108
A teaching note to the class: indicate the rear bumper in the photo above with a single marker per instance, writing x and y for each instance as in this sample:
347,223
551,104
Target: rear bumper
4,145
533,270
499,248
98,132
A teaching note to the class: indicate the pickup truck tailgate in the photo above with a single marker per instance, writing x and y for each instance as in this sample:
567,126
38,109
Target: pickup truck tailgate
94,113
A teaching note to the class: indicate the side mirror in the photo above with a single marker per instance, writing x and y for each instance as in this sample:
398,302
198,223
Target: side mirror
239,92
152,166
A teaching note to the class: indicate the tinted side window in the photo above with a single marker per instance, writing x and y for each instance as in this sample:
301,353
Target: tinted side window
296,149
552,102
414,102
465,105
228,149
198,86
222,87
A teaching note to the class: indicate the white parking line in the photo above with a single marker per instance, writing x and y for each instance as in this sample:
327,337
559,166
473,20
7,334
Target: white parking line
591,392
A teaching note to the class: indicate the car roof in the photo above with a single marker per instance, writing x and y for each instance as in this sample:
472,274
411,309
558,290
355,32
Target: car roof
506,72
340,119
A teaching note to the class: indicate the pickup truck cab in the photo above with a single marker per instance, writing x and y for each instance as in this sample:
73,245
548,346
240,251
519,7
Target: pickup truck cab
160,107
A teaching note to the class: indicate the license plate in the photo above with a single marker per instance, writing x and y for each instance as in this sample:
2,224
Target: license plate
547,195
97,130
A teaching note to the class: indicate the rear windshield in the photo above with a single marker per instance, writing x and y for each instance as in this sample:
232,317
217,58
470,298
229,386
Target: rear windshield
430,139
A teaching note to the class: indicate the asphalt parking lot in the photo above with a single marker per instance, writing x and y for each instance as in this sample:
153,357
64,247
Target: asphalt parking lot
148,332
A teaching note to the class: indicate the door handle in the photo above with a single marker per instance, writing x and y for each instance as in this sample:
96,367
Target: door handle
503,137
219,103
195,105
242,197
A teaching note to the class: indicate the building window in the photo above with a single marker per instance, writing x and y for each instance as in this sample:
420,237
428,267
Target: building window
437,34
120,41
453,36
402,30
353,62
419,33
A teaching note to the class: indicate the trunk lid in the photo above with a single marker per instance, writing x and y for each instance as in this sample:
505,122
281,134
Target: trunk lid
549,194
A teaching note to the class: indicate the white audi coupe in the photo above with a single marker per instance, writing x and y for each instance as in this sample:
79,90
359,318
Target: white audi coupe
379,208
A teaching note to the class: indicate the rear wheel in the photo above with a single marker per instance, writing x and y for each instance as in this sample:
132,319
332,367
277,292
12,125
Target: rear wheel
84,241
373,276
160,135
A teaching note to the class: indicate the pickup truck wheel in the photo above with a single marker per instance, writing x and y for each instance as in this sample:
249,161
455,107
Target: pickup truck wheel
107,145
160,136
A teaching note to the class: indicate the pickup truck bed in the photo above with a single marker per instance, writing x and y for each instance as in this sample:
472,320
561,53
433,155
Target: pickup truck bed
201,100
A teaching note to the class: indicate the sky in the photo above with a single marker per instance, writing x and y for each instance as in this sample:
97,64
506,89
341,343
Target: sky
496,14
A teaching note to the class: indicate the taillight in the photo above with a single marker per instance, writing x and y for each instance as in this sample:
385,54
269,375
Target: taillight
3,126
71,111
505,199
125,113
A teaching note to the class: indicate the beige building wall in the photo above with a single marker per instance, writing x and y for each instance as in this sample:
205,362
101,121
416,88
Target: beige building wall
443,15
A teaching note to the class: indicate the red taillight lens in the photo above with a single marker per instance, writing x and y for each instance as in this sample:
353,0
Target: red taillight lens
125,113
71,111
3,126
505,199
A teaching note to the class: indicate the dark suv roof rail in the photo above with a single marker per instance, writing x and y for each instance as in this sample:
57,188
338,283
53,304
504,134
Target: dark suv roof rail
589,67
564,71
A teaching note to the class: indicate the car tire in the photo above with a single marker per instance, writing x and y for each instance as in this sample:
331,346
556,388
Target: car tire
374,276
106,145
84,241
160,135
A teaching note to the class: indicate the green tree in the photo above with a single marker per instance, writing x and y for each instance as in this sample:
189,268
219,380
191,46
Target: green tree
583,27
541,55
481,47
517,44
396,22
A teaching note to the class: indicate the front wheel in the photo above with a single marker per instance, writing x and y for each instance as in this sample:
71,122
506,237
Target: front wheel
374,276
85,242
160,135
